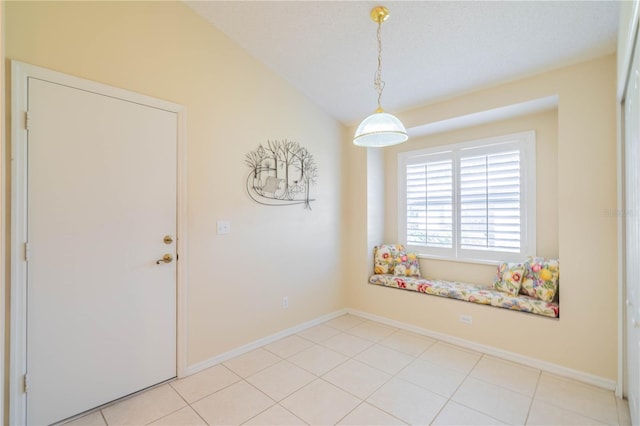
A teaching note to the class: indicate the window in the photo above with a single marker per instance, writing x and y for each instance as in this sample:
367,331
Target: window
472,201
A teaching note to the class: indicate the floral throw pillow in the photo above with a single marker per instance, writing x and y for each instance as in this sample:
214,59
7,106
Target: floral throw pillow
384,257
406,264
509,278
541,278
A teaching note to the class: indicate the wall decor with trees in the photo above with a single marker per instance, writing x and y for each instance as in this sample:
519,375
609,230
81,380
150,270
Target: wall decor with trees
282,173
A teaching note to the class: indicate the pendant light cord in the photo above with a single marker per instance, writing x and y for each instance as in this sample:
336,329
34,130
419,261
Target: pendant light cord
377,81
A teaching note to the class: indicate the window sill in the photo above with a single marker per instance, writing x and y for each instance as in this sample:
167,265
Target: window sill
460,260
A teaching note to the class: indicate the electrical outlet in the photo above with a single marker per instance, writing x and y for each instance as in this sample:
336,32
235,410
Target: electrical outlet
285,302
467,319
224,227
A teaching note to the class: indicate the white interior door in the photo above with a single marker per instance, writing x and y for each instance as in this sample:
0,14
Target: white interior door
632,234
101,314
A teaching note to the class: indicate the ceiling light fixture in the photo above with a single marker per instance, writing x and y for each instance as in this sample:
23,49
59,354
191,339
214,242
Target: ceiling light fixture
380,128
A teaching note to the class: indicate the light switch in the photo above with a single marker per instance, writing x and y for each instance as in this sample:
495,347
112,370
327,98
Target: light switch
224,227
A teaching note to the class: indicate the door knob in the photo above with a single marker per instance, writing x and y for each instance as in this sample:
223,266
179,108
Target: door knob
167,258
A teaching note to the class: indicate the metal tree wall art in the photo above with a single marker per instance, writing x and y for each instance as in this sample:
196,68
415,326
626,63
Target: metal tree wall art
282,173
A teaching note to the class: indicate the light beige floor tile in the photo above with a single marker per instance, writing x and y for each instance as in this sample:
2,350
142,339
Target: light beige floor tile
275,416
93,419
250,363
407,401
319,333
281,379
357,378
320,403
145,407
587,400
345,322
515,377
624,417
347,344
441,380
545,414
288,346
204,383
318,359
366,414
183,417
494,401
409,343
459,415
385,359
233,405
451,356
371,330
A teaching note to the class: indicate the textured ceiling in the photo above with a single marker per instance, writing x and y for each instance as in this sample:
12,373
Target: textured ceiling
431,49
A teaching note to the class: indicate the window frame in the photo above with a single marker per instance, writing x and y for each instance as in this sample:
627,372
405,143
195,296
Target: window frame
525,143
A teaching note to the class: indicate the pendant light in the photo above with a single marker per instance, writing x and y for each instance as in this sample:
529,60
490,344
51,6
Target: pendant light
380,128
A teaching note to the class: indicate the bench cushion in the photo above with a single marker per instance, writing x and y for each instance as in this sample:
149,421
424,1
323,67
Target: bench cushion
470,293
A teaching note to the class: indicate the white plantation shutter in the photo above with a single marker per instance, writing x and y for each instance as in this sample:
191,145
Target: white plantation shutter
430,203
490,201
471,201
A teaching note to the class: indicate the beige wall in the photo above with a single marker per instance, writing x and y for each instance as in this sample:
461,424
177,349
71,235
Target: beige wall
236,282
585,336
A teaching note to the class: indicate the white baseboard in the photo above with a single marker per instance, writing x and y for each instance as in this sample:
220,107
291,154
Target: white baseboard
489,350
192,369
500,353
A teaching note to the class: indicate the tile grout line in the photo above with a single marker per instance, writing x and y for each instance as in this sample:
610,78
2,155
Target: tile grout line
533,397
188,404
103,418
259,390
216,391
255,372
352,358
394,376
450,398
583,385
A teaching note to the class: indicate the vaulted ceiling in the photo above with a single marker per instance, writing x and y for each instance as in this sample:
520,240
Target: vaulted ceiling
431,49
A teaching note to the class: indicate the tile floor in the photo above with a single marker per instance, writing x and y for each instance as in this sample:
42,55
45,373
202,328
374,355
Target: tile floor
352,371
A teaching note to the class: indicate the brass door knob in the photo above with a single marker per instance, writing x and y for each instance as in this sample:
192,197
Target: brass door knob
167,258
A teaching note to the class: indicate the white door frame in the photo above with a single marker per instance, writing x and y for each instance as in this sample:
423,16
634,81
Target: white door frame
20,73
624,73
3,219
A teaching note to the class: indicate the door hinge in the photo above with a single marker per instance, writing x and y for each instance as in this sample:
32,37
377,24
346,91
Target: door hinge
27,120
25,383
27,252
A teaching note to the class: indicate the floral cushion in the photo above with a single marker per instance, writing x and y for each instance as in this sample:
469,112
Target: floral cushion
406,264
384,257
541,278
509,278
469,293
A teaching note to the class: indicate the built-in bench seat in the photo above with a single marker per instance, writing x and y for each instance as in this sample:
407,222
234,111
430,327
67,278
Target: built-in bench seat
469,293
393,267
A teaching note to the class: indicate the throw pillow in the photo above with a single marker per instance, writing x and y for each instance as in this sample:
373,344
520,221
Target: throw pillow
406,264
509,278
541,278
384,257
